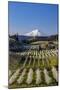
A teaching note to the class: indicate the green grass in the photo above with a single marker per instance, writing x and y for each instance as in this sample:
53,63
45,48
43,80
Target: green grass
17,61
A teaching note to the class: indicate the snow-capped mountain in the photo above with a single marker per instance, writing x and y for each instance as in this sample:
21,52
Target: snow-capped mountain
34,33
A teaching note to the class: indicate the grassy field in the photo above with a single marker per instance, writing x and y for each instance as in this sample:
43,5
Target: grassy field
44,61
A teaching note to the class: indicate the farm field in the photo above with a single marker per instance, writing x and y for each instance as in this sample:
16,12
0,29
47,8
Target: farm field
33,45
33,68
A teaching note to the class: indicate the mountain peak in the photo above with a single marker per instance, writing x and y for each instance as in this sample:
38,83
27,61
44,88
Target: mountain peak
34,33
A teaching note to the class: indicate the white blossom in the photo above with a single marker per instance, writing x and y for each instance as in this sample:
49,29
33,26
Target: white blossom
55,73
47,77
30,76
38,76
14,76
21,78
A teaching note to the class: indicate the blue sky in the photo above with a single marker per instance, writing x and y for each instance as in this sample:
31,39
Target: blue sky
25,17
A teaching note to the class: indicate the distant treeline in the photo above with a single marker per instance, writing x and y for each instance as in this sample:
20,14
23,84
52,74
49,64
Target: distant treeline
32,39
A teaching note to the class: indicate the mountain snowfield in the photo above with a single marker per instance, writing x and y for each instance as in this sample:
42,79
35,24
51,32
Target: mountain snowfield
34,33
